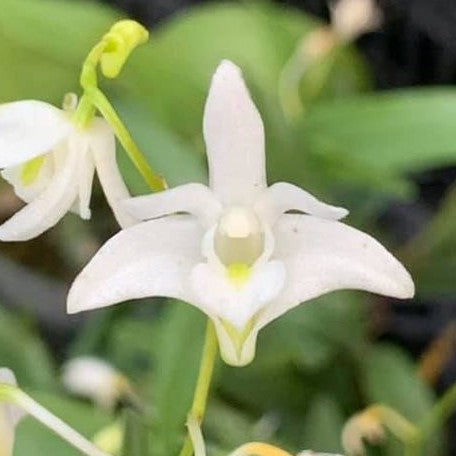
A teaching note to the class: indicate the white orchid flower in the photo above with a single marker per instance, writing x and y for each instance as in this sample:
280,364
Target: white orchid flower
10,415
95,379
236,253
51,163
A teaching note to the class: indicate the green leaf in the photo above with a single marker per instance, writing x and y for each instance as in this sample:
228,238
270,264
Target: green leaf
43,44
173,73
228,427
179,345
376,140
23,351
136,440
389,377
33,438
431,255
177,161
323,425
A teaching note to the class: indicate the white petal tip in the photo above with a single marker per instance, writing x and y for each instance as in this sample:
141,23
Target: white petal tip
407,288
7,376
341,213
7,236
227,67
75,303
85,214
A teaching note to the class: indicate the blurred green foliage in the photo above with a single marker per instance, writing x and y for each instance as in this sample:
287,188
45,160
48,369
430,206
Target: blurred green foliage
316,366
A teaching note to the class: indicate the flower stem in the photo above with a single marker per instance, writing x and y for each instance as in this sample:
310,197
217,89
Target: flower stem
203,383
153,179
111,53
55,424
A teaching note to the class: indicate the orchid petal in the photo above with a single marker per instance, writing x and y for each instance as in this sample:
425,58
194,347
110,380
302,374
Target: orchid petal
322,256
234,135
232,353
85,184
28,192
153,258
103,145
52,204
195,199
28,129
282,197
237,303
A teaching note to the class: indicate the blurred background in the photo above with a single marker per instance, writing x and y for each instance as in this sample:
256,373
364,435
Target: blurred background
371,127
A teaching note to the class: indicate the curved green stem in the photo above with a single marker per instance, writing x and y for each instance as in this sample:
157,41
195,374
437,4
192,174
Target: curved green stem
111,52
99,100
203,383
315,55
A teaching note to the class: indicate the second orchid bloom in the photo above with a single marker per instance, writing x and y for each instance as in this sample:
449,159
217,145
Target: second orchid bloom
51,161
233,250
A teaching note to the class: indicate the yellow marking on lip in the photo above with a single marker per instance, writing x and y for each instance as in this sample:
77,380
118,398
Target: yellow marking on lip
238,273
30,170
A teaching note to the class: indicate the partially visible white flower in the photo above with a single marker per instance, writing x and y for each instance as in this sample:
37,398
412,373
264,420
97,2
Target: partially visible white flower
10,415
235,251
95,379
51,164
352,18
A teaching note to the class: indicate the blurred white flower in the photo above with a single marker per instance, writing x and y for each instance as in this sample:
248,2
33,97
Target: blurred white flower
95,379
10,415
51,163
352,18
236,253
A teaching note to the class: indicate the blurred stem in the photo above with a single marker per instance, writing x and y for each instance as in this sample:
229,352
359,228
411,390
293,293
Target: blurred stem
155,181
441,411
314,56
402,428
203,384
14,395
